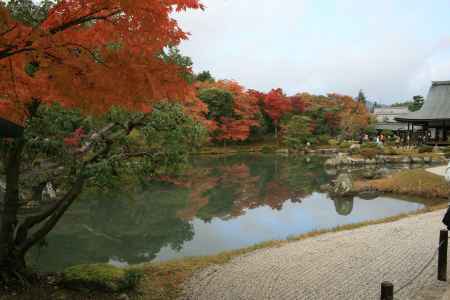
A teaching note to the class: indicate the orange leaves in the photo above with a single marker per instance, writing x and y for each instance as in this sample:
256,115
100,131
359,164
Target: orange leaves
276,104
93,54
245,109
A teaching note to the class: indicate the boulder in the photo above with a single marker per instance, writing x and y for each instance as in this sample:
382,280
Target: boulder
355,146
343,185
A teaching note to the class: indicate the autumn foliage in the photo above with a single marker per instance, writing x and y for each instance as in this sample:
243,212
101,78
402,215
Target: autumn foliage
276,104
237,123
92,54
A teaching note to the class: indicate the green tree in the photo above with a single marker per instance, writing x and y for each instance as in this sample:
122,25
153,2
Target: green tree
361,97
205,76
298,132
220,103
173,55
417,103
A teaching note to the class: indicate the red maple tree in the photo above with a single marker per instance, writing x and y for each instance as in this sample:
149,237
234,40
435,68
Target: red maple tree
276,104
91,55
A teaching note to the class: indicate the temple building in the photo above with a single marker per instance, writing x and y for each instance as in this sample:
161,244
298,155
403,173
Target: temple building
430,124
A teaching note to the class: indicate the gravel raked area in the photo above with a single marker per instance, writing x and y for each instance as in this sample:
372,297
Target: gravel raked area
342,265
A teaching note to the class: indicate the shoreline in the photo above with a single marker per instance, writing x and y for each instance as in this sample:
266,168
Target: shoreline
179,271
284,264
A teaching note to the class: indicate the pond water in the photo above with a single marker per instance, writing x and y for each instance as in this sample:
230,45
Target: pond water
225,203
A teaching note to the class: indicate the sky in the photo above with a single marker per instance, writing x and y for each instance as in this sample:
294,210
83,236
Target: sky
391,49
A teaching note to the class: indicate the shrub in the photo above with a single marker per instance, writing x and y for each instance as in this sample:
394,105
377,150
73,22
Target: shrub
268,149
333,142
425,149
323,139
298,132
390,151
370,153
101,277
345,145
447,152
354,151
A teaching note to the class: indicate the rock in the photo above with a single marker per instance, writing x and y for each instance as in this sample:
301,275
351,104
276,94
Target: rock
369,174
427,159
283,151
368,195
380,160
406,160
355,146
370,161
123,297
343,185
417,160
447,173
331,162
325,188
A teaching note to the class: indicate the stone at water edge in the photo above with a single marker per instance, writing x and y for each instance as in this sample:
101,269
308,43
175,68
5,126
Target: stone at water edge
447,173
343,185
355,146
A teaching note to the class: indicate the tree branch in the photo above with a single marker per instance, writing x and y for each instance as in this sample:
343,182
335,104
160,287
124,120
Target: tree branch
54,217
87,18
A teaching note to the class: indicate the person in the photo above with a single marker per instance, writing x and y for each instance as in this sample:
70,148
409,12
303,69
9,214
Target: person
446,219
366,138
377,140
382,138
397,140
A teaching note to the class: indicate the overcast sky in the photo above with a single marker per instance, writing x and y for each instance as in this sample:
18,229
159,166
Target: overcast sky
392,49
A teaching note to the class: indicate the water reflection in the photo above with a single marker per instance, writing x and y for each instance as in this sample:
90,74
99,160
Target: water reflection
224,203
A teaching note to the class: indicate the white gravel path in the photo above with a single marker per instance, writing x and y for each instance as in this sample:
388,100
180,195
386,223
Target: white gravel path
343,265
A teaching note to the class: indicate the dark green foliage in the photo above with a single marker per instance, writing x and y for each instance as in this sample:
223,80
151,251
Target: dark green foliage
204,76
417,103
361,97
30,12
298,132
173,55
447,152
425,149
101,277
220,103
414,105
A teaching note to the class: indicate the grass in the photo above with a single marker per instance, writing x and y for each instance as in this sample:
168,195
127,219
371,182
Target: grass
416,182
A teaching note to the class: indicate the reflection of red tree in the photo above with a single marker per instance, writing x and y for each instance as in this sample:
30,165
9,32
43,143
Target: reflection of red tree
248,192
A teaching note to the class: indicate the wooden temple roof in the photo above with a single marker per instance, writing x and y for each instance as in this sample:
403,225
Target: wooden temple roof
436,106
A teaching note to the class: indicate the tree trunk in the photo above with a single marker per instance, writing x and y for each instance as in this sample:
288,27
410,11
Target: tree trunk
12,263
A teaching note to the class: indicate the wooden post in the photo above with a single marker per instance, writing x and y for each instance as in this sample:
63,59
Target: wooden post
444,133
387,291
442,259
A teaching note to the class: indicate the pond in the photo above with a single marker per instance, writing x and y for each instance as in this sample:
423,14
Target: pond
225,203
